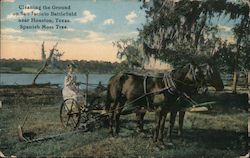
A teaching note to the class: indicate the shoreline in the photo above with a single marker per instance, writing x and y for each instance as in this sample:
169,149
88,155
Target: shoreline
52,73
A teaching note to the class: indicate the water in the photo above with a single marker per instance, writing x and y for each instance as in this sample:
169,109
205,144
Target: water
24,79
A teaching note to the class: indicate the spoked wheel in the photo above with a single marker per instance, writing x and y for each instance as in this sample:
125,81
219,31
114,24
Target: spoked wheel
70,114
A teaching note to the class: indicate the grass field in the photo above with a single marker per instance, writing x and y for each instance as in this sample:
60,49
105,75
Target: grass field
217,133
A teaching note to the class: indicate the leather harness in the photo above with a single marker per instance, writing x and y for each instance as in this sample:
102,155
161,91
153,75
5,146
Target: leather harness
168,82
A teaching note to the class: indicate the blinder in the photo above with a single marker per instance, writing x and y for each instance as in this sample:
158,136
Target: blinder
198,77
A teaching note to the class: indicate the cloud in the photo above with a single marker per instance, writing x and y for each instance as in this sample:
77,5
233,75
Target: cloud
39,32
224,28
40,36
87,17
13,16
123,35
70,30
108,22
13,38
76,40
91,37
10,1
50,38
131,17
94,36
10,31
87,37
111,37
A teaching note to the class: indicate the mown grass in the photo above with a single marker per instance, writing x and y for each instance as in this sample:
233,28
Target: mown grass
220,134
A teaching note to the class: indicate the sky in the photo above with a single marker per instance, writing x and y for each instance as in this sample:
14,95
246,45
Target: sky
88,36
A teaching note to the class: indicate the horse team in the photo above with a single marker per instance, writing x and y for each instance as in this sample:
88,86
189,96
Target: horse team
124,89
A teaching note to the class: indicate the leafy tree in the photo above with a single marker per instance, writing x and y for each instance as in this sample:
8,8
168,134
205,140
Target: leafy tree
242,59
225,57
130,51
183,30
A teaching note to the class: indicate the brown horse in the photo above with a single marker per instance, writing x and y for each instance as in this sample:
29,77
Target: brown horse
212,78
124,89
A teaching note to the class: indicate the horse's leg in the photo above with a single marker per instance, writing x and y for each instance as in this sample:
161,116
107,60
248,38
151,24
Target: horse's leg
111,122
181,120
139,118
117,114
157,124
171,125
117,120
111,118
162,126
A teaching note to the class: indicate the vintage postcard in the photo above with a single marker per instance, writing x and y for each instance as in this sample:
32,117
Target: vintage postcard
124,78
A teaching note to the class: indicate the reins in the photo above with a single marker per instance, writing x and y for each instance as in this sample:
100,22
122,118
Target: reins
141,97
188,98
168,81
191,85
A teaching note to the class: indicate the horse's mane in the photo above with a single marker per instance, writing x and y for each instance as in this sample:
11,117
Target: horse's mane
181,69
147,73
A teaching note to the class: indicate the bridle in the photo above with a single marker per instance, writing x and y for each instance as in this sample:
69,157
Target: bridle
197,83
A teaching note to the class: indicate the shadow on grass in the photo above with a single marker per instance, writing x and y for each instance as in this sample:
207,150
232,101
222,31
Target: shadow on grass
215,139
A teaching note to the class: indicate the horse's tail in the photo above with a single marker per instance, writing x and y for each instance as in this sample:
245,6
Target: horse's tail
114,89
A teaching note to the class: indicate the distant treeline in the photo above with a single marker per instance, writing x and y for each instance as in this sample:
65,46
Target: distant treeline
83,66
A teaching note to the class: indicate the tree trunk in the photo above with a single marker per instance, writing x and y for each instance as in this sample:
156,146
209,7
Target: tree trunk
235,81
39,72
46,62
248,79
235,74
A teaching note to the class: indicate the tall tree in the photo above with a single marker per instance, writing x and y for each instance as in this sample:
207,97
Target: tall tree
54,54
242,57
130,51
183,30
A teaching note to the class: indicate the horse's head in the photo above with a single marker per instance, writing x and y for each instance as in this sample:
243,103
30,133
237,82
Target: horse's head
190,78
212,76
193,74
